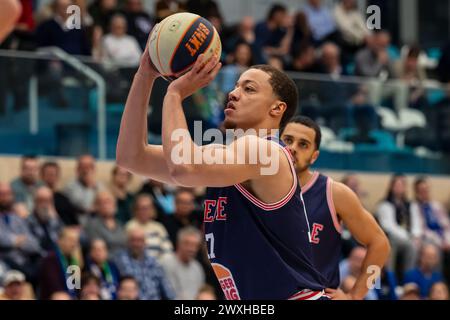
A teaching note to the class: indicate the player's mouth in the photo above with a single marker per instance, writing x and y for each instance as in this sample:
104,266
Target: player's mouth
230,107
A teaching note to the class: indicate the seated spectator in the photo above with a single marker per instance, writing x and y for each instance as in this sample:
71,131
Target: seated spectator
206,292
102,11
410,292
90,287
26,184
53,271
103,223
274,35
15,287
245,33
400,224
184,272
60,296
136,262
44,222
276,62
99,265
351,24
184,215
352,266
120,181
304,59
165,8
302,37
139,21
427,272
163,197
321,22
53,32
240,60
20,249
434,219
119,48
84,188
330,60
439,291
156,237
67,211
374,61
204,8
388,285
128,289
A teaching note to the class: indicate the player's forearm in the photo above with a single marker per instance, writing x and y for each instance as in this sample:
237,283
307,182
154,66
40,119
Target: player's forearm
133,127
9,13
377,254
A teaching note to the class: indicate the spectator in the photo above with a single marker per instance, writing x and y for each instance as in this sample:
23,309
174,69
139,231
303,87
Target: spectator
20,249
184,272
54,32
374,61
53,271
302,37
67,211
352,266
240,60
410,292
120,181
245,33
26,184
90,287
304,59
102,11
156,237
439,291
15,287
206,292
184,214
426,273
136,262
204,8
44,222
321,22
330,60
84,188
119,48
276,62
162,195
400,224
351,24
434,218
274,35
61,296
388,285
128,289
165,8
139,22
99,265
103,223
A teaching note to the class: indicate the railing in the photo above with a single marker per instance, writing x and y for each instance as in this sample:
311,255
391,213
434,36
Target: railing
343,106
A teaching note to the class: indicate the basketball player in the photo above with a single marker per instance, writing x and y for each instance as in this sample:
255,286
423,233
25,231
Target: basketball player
329,203
9,13
256,229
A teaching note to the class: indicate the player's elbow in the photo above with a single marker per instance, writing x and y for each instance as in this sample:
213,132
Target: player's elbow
182,173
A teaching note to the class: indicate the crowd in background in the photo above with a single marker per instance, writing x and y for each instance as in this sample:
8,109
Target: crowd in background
94,239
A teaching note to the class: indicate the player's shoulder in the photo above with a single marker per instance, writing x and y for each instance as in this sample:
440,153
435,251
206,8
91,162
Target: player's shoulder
341,192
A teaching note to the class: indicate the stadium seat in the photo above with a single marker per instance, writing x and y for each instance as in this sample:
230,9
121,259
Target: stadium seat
389,119
328,135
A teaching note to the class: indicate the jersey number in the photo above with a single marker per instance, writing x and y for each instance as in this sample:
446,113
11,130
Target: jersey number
210,242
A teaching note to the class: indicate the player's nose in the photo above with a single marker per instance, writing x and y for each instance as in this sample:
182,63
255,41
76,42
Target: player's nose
233,95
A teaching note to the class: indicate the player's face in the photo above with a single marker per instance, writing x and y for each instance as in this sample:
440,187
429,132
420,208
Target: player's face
250,102
300,140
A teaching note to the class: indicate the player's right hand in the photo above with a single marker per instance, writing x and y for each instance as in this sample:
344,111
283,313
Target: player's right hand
146,66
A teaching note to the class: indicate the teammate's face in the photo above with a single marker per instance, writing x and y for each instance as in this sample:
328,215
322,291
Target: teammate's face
300,140
251,101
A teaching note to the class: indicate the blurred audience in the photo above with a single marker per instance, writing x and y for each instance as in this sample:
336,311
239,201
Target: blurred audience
206,292
439,291
15,287
120,181
128,289
321,22
139,21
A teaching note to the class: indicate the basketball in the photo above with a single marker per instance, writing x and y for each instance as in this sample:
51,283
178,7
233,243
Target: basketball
177,41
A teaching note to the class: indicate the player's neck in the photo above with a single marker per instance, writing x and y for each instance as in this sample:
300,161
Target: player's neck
305,176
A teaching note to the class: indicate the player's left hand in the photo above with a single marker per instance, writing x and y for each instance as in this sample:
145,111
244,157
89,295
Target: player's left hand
200,76
337,294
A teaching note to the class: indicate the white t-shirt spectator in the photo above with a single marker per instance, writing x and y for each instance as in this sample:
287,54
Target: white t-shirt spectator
123,51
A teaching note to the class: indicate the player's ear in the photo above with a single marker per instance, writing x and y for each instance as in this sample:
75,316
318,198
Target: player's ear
278,108
315,156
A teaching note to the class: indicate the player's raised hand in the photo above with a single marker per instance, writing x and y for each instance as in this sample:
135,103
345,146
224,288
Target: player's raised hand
200,76
146,66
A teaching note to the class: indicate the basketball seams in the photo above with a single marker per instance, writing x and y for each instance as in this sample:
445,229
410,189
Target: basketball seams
157,45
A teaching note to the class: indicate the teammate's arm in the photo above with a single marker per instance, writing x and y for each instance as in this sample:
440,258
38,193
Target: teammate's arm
177,140
133,151
9,13
366,231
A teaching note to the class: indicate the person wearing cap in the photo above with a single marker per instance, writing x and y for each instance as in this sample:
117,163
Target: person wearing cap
15,287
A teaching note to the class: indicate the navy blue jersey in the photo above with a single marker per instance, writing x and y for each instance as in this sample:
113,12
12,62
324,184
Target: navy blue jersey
325,227
260,250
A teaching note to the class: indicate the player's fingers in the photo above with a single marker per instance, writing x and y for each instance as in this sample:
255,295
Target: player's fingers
215,71
198,64
209,67
330,291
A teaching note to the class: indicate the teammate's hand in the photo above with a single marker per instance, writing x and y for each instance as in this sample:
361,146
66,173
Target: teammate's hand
146,67
201,75
337,294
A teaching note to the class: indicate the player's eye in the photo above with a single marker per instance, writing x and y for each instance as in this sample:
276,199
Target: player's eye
249,89
304,145
287,141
